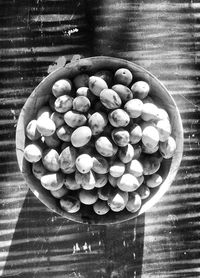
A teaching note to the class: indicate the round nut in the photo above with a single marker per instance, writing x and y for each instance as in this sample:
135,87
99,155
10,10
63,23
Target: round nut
81,136
140,89
123,76
134,202
101,207
84,163
88,197
61,87
127,182
32,152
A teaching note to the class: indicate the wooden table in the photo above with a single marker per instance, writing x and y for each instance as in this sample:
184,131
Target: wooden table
162,36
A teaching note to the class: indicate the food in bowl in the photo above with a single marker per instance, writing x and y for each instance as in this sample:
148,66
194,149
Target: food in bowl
84,141
99,141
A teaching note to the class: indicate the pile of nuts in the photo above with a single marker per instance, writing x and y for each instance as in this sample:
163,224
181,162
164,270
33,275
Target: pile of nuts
100,141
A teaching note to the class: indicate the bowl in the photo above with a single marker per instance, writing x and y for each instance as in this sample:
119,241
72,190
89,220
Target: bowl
41,95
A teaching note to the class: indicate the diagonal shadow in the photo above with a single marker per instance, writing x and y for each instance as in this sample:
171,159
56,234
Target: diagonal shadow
44,244
47,245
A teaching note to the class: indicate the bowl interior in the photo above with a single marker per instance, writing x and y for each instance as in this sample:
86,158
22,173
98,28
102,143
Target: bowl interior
40,96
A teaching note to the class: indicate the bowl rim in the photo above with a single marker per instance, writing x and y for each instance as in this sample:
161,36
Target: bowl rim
83,65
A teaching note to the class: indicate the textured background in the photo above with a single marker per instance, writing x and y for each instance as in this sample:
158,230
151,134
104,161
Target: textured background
162,36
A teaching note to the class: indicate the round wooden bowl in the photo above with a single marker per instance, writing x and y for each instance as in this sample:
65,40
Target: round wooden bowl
41,95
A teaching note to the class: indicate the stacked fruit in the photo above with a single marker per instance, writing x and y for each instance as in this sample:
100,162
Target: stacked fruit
100,141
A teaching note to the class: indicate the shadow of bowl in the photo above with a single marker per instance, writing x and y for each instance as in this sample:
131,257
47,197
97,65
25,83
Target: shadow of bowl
40,96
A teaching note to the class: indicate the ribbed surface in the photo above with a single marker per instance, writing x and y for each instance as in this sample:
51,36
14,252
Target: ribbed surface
163,37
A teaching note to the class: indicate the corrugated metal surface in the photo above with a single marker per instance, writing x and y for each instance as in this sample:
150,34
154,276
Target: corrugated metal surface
162,36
